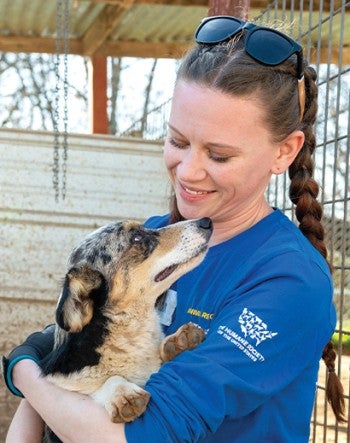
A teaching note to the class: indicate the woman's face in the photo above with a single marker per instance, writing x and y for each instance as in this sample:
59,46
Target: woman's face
219,154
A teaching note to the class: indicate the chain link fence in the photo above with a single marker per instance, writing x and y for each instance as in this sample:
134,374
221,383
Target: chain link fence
321,27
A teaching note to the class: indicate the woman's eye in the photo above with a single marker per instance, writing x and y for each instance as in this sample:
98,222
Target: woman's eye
177,144
182,145
218,159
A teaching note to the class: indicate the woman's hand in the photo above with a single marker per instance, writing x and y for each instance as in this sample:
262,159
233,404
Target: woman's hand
72,417
37,346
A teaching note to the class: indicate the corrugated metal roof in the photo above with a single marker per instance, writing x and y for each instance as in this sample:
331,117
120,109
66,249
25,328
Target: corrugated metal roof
143,28
159,23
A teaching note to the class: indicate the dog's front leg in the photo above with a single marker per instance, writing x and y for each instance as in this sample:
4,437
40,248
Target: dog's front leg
123,400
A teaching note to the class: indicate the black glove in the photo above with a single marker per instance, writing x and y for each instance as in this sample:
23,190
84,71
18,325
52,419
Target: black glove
35,347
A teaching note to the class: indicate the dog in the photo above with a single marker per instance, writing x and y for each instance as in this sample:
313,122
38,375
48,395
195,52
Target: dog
108,337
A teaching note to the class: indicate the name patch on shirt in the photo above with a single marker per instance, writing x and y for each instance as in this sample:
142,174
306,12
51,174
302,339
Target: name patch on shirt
202,314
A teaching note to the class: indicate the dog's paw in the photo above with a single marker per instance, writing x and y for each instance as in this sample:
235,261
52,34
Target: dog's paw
128,404
187,337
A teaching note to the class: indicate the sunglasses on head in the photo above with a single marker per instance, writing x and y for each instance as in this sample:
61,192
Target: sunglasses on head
265,45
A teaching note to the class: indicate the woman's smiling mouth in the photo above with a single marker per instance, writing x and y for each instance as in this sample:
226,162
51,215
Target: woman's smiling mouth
193,194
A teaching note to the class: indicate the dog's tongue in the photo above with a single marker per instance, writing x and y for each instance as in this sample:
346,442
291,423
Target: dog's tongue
165,273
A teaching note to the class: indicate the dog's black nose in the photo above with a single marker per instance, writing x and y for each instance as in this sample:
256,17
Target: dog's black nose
205,223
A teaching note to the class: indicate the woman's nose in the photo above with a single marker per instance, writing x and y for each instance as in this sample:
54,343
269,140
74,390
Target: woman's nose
191,166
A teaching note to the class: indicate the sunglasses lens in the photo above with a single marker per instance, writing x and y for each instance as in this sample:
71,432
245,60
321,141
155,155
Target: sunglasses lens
217,30
269,47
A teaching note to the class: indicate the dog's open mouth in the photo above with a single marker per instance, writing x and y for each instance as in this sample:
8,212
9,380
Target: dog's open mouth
165,273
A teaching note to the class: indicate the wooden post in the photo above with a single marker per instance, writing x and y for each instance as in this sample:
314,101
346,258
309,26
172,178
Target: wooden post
98,94
238,8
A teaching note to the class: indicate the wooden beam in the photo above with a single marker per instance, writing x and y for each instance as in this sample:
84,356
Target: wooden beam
112,48
323,56
29,44
131,48
238,8
173,2
155,2
144,49
98,95
102,27
287,4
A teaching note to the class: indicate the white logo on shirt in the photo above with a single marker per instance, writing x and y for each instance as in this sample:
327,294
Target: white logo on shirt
253,327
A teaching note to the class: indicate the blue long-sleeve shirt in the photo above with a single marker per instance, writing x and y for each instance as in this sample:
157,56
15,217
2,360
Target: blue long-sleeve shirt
264,299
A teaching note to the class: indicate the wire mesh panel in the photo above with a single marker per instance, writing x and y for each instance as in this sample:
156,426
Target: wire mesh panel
321,27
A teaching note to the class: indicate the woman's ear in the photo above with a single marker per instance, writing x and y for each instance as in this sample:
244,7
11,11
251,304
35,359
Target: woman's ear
288,149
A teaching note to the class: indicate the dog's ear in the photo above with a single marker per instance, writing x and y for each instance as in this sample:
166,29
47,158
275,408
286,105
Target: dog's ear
82,289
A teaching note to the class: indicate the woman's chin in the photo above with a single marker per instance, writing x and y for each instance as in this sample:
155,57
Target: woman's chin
193,213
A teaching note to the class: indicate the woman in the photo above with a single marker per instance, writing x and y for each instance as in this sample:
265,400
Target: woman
243,110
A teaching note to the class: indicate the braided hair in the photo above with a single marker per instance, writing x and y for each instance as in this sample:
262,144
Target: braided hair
229,69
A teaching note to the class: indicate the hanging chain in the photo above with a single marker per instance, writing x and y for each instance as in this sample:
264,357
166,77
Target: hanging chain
65,98
62,39
56,115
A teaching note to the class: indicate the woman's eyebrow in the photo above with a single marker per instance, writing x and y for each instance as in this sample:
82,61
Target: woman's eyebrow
174,129
224,146
236,149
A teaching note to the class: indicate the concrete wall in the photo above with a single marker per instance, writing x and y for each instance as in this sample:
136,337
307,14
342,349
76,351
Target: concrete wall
107,179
